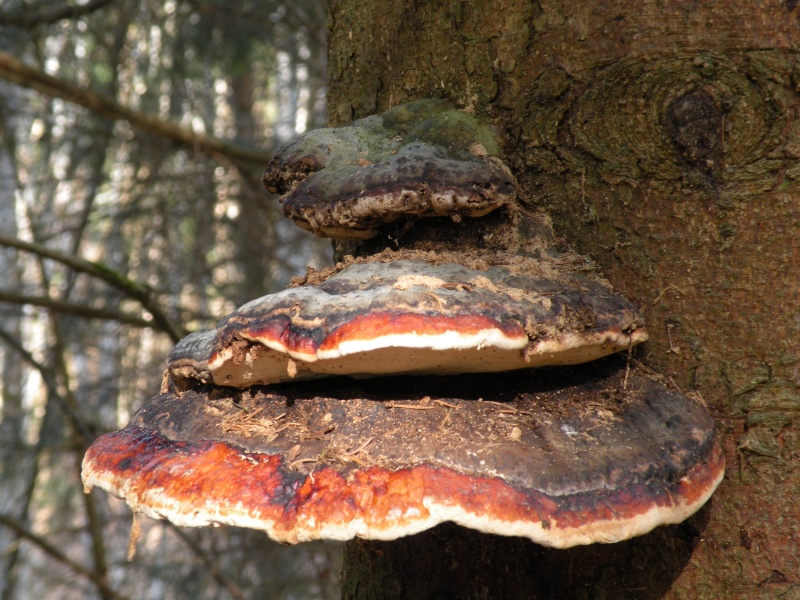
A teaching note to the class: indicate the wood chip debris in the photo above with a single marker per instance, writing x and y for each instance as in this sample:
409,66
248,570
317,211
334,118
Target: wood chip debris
506,409
246,423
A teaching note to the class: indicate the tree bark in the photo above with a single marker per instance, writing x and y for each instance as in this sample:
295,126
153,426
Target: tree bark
663,139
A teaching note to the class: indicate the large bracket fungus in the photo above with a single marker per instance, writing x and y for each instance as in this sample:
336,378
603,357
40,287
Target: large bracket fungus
560,454
599,459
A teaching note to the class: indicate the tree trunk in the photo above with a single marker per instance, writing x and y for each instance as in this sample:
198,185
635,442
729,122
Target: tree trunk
663,140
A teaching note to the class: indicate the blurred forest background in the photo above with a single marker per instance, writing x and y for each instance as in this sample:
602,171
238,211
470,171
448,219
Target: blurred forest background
133,136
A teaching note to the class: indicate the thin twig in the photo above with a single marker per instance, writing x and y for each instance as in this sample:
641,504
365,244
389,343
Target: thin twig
627,369
137,291
93,519
507,409
55,553
665,290
447,404
440,303
409,406
229,586
359,449
675,385
71,11
75,309
50,384
17,72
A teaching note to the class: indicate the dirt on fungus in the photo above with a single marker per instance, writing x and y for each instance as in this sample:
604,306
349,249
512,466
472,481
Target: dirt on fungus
523,242
608,426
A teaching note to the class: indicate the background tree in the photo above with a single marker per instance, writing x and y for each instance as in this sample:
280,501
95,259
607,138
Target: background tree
663,138
134,135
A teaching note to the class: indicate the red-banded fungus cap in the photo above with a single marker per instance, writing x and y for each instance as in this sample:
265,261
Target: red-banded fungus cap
411,317
602,458
422,159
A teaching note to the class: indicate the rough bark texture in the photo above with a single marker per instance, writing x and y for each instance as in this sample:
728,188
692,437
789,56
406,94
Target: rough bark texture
663,138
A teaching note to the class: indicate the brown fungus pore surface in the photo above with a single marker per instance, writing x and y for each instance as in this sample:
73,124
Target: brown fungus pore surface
411,317
418,160
601,458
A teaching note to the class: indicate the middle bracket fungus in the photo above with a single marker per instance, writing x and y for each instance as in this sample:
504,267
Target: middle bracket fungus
412,317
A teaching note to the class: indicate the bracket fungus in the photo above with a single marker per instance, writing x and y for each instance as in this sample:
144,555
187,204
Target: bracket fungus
599,459
411,317
422,159
561,454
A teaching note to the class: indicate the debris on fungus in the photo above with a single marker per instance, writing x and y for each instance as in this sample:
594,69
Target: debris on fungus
601,458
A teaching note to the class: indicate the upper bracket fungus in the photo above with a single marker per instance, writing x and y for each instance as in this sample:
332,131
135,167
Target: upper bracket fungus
422,159
411,317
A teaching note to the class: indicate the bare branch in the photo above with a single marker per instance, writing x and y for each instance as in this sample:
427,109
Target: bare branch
52,387
75,11
213,567
300,16
55,553
75,309
135,290
15,71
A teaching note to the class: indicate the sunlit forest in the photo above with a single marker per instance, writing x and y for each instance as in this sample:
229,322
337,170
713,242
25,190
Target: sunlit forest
133,139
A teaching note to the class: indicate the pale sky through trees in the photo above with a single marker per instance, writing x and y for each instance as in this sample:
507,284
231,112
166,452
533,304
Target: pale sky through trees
131,212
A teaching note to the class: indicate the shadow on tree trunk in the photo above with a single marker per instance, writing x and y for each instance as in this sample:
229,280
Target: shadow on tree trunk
450,562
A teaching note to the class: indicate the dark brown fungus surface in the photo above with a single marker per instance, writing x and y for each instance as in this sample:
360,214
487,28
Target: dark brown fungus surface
422,159
188,360
601,458
411,317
